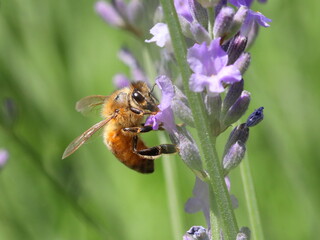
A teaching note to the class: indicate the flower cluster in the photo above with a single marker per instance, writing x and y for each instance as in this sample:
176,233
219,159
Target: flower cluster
217,56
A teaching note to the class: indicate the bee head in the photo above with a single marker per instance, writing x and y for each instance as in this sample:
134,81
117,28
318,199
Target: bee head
142,98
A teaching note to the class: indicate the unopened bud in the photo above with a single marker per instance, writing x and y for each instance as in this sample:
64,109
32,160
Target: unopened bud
237,109
196,233
232,95
236,48
188,150
252,34
237,21
213,106
239,133
243,62
234,156
223,22
198,12
255,117
199,33
180,107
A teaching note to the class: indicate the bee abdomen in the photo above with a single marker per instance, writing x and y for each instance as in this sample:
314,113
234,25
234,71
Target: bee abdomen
122,147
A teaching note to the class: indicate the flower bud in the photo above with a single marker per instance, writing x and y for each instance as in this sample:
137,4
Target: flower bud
236,48
188,150
239,133
199,33
213,106
255,117
252,34
243,62
237,109
223,22
237,21
232,95
181,107
196,233
198,12
234,156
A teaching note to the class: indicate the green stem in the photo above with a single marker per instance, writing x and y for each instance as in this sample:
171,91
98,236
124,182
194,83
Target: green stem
216,182
210,12
251,201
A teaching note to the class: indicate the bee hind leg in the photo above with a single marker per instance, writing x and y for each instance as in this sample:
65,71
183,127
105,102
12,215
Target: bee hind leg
154,152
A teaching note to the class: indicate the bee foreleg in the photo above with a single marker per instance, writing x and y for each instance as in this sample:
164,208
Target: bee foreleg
154,152
142,129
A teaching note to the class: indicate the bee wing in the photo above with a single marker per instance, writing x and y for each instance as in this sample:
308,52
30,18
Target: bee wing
87,104
75,144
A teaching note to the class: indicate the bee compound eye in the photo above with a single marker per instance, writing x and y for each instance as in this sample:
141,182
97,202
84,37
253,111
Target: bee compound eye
138,97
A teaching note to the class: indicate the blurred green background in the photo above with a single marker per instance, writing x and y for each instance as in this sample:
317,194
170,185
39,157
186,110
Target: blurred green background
54,52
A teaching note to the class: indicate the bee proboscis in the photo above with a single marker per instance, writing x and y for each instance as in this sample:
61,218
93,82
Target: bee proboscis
123,113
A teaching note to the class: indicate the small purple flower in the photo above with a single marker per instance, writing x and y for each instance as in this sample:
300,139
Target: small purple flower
4,155
209,64
165,115
252,16
160,34
200,199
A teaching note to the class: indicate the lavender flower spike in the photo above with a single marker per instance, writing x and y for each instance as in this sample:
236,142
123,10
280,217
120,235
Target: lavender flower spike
165,115
209,64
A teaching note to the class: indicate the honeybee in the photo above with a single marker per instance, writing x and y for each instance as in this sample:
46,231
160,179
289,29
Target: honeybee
123,113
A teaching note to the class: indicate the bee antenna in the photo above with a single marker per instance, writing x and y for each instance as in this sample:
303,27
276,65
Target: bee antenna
153,88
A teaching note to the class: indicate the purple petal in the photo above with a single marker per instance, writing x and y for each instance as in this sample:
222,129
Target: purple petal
218,55
252,17
229,74
167,90
160,34
207,60
198,58
109,14
198,82
261,19
165,115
